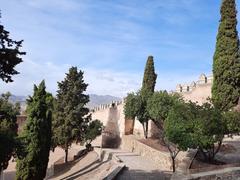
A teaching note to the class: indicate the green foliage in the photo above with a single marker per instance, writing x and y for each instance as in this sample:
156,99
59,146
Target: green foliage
160,103
93,130
36,136
232,119
149,79
226,64
192,126
148,85
71,116
130,106
136,104
9,55
8,129
177,126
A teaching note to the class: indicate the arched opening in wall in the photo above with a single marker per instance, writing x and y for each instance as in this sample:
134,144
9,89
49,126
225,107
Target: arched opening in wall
129,126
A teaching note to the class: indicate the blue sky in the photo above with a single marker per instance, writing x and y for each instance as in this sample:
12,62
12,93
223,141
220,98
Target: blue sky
110,41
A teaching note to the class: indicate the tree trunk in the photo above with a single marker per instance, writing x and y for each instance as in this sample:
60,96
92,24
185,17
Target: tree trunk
66,155
190,165
146,129
173,164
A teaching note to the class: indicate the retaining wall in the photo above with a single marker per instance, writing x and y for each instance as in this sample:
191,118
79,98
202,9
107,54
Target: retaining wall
163,159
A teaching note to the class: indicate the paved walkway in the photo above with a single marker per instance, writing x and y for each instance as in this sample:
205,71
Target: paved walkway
89,167
138,167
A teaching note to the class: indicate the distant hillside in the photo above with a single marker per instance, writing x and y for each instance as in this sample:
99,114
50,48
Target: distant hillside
95,100
19,99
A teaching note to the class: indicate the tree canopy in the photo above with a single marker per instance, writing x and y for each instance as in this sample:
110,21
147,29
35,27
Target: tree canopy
71,116
93,130
10,55
226,63
36,136
8,129
136,103
192,126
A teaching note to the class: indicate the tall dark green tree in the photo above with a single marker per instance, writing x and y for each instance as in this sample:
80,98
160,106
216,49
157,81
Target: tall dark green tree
149,78
8,129
36,136
226,64
71,118
148,85
10,55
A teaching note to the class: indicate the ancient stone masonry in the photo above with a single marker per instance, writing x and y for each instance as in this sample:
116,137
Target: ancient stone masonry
198,91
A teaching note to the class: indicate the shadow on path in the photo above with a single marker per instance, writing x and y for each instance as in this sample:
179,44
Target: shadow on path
88,169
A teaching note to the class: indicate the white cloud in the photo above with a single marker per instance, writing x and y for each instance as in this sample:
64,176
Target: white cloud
103,82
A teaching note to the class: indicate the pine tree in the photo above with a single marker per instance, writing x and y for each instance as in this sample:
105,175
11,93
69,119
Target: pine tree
9,55
36,137
71,114
148,85
226,64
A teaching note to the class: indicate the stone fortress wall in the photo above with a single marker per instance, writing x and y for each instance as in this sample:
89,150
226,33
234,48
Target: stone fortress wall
198,91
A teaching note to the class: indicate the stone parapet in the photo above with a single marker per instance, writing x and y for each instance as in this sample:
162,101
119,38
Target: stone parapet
203,79
106,106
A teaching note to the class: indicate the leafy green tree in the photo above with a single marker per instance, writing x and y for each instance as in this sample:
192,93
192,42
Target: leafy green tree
178,127
209,130
36,137
226,64
8,129
10,55
135,108
93,130
71,117
159,105
232,119
130,106
192,126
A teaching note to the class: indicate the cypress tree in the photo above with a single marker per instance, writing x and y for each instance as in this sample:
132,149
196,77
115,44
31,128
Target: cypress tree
36,137
71,114
226,64
149,78
148,85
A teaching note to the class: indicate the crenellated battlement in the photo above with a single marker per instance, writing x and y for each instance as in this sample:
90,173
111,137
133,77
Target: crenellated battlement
106,106
203,79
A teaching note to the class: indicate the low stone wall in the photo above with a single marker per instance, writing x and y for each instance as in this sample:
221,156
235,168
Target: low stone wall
232,173
228,173
163,159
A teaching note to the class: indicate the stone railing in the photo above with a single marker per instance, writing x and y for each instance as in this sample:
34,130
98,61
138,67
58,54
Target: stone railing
203,79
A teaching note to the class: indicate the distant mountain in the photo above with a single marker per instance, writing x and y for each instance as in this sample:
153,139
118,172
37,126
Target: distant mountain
19,99
96,100
15,99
